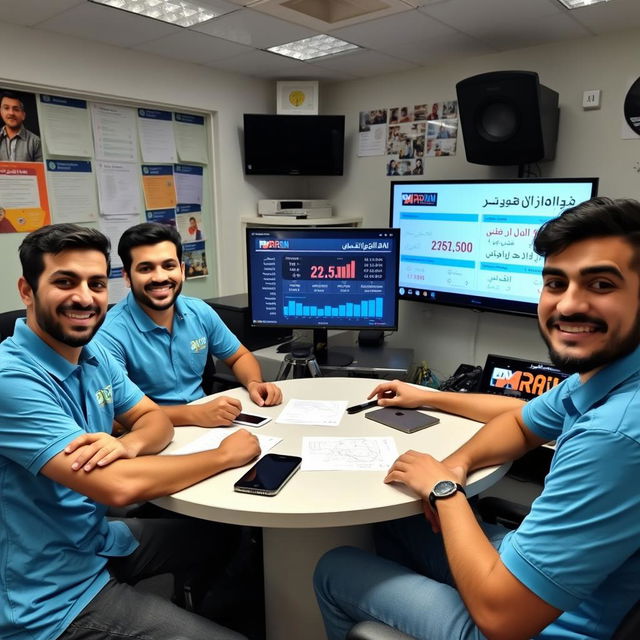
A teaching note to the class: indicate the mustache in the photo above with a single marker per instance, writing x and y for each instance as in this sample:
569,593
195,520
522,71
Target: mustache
577,318
164,283
75,306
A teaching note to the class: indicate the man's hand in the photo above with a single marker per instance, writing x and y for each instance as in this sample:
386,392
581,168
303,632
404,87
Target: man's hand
420,472
264,394
239,448
97,450
220,412
399,394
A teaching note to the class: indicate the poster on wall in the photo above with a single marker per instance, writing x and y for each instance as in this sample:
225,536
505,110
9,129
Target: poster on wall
156,136
195,260
72,188
24,204
114,132
372,130
631,111
68,126
191,138
158,186
20,133
190,223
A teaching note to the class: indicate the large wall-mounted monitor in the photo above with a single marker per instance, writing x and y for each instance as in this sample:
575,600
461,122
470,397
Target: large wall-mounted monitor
293,145
323,278
470,243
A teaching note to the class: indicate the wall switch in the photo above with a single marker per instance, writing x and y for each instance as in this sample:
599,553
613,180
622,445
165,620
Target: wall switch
591,99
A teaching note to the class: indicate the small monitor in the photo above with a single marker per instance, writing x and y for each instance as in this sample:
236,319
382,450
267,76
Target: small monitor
323,278
469,243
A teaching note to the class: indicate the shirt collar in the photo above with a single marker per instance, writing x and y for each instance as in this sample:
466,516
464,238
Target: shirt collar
20,134
586,395
49,358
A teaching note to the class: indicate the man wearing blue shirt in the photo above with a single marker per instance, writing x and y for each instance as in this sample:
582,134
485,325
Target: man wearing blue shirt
163,339
65,569
572,569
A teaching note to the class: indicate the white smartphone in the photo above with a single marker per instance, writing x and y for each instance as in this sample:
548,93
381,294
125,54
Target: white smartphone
251,420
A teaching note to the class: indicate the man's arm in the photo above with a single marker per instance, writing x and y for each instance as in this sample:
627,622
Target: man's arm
501,606
146,477
246,369
148,430
475,406
219,412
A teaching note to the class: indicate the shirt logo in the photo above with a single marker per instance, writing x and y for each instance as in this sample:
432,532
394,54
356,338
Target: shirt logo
104,396
199,344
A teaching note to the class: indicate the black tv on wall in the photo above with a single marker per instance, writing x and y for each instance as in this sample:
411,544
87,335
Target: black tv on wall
297,145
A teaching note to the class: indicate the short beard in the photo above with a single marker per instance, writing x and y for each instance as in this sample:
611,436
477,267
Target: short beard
146,301
48,323
613,351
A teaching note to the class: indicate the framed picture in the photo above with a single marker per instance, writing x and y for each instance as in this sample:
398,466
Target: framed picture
299,97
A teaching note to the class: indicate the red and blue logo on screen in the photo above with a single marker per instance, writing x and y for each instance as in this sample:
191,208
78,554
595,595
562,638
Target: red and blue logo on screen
420,199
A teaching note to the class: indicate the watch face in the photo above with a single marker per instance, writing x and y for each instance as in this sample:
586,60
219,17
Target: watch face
444,488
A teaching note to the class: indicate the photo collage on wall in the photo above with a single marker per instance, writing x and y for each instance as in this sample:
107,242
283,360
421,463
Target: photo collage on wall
417,132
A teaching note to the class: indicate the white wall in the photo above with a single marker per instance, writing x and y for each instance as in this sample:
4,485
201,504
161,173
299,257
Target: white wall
589,144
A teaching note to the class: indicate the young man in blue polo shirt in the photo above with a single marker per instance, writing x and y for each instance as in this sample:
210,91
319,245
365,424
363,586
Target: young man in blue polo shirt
163,339
572,569
65,569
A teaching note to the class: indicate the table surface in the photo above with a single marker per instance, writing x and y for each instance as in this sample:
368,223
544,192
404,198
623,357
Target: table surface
313,499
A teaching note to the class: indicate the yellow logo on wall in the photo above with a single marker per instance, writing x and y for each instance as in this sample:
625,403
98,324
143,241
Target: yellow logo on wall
297,97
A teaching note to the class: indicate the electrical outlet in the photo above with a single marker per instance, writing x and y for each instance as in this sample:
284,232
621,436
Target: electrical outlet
591,99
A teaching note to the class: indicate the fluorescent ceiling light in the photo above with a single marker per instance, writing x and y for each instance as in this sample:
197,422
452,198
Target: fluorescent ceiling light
576,4
315,47
179,12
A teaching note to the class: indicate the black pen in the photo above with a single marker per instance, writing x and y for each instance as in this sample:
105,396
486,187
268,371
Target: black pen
361,407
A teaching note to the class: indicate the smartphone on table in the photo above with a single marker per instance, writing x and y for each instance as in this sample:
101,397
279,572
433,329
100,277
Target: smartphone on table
251,420
268,475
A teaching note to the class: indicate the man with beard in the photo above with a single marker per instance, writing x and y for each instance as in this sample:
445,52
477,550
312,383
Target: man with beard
66,569
17,143
163,339
572,569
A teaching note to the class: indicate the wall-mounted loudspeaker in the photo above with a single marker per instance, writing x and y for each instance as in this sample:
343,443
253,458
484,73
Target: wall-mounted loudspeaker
507,117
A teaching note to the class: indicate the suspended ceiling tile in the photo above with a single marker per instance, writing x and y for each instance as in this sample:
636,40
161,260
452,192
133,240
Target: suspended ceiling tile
105,24
610,16
193,47
262,64
254,29
32,12
364,63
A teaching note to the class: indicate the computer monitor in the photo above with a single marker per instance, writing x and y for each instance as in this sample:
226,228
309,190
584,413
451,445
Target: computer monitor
469,243
323,278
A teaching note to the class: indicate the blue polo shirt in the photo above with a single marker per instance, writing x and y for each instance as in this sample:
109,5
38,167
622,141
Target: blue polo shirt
54,542
579,549
167,366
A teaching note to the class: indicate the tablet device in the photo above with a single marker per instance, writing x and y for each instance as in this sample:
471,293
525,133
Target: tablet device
407,420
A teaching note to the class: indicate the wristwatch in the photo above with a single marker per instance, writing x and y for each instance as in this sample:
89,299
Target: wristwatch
444,489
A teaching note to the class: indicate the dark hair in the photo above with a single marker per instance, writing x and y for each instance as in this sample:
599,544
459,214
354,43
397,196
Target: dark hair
596,218
55,238
12,96
146,233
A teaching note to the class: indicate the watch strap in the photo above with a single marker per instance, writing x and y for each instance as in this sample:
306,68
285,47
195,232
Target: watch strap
433,498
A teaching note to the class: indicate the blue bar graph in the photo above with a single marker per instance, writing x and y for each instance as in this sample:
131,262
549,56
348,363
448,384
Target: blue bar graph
365,309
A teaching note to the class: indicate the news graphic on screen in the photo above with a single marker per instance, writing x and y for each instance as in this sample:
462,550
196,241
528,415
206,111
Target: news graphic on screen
518,378
470,243
323,278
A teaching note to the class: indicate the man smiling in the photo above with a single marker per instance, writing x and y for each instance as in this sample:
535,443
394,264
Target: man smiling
163,339
17,144
572,569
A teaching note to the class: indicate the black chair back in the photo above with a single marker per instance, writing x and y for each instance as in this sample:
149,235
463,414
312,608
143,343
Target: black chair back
8,322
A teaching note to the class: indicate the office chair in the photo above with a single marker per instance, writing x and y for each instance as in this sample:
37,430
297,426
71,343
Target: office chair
8,321
214,381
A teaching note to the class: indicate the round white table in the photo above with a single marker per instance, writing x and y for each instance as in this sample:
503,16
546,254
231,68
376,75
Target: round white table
316,510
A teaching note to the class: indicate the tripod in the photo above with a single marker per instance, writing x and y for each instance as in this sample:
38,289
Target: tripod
303,363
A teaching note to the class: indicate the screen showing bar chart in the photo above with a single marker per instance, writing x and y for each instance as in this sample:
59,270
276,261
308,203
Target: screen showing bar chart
333,278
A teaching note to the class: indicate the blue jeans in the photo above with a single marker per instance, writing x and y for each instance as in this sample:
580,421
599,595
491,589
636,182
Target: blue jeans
407,586
119,612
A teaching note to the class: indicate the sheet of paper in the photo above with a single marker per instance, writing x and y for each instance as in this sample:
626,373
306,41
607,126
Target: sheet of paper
188,183
113,228
191,138
348,454
326,413
156,136
158,186
72,189
118,188
114,132
67,126
213,437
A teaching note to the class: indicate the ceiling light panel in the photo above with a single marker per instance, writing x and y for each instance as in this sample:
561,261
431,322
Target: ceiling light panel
178,12
576,4
314,47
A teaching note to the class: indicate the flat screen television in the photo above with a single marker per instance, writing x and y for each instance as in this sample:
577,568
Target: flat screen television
293,145
469,243
323,278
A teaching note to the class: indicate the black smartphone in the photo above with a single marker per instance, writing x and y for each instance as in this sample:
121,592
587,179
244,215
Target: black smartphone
268,475
250,420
